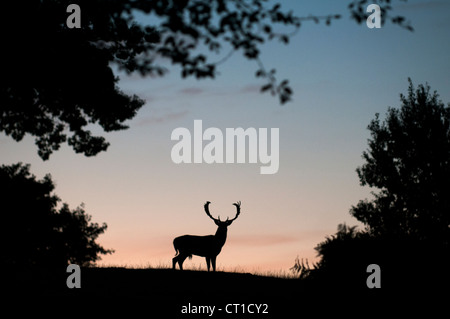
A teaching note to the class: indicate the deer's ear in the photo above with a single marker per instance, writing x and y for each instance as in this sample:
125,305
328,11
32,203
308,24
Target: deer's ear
217,222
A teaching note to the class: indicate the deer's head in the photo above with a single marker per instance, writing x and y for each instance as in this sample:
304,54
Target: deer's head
226,223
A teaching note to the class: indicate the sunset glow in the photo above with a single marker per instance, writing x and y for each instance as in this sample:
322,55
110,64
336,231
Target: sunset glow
341,76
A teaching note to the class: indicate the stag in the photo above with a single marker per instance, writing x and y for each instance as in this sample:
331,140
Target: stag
204,246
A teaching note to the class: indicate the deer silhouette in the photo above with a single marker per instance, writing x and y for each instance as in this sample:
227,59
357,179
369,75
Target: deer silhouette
204,246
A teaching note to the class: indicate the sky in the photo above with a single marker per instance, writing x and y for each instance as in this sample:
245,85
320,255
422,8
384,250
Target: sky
341,75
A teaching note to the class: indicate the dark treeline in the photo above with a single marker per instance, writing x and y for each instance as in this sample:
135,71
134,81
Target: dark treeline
407,223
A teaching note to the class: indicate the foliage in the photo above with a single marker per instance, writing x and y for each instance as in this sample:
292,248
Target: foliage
79,234
406,264
337,248
408,160
408,221
36,233
301,269
59,81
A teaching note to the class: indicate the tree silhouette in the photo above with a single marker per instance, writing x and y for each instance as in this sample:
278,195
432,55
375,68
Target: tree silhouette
408,160
335,243
344,257
57,80
38,234
407,223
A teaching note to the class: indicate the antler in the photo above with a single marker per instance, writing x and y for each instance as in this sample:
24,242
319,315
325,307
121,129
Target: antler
238,210
208,213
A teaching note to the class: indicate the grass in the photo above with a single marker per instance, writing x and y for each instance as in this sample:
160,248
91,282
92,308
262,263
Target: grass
281,273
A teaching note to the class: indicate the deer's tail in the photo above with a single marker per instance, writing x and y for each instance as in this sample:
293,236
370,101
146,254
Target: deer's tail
177,251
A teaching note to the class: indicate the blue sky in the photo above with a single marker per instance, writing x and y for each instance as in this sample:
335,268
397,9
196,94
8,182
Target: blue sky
341,76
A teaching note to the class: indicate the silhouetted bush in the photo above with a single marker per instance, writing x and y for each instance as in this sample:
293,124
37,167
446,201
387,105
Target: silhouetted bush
37,233
406,264
407,223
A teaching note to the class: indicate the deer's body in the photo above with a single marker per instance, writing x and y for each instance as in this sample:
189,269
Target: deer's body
205,246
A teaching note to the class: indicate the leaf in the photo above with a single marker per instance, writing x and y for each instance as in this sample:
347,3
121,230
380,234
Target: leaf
266,87
284,39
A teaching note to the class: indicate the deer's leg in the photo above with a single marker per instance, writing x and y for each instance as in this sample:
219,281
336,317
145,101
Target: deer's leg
178,259
174,261
207,262
213,261
181,259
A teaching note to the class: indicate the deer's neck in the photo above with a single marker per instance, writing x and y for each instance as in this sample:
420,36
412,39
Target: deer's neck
221,235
